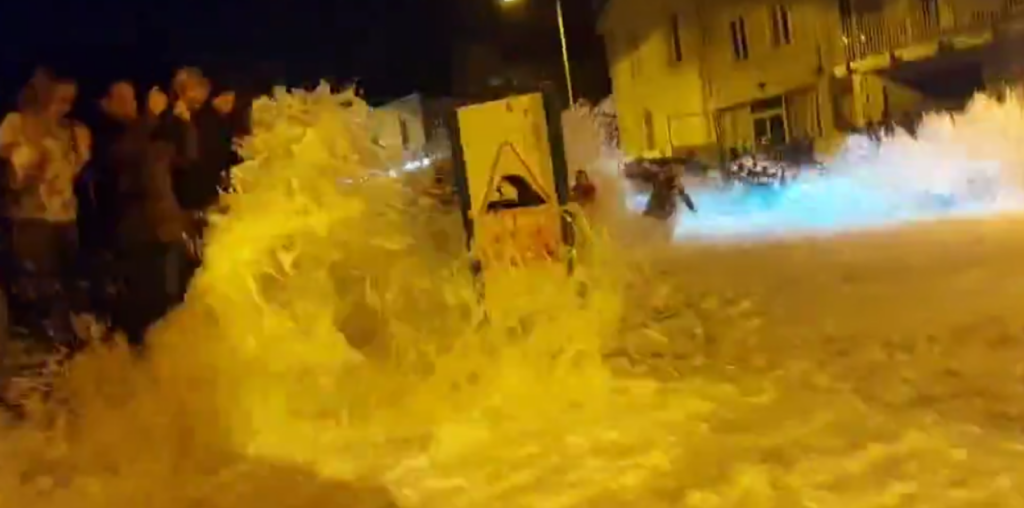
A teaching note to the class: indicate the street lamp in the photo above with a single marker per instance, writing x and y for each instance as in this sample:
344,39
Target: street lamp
565,46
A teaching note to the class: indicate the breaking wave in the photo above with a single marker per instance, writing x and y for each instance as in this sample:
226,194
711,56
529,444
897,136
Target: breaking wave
336,351
966,164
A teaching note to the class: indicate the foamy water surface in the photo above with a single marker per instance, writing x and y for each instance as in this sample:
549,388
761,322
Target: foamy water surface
335,341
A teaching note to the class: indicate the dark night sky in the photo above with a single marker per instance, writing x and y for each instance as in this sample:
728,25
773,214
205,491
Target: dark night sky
394,46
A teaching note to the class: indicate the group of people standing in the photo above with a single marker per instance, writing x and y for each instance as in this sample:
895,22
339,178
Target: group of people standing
99,220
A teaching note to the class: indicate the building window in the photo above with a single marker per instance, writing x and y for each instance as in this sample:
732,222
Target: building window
781,29
930,12
769,118
768,105
846,9
403,130
633,52
770,130
867,7
649,137
677,40
738,29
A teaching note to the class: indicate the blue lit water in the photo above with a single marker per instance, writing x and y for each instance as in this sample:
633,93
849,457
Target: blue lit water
825,205
967,164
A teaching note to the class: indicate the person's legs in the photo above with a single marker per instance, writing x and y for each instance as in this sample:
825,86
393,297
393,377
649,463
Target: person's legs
132,261
75,269
28,251
135,265
95,263
176,272
79,277
192,263
36,246
146,298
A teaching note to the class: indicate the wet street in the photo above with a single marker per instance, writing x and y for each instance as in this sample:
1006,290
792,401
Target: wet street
870,369
874,369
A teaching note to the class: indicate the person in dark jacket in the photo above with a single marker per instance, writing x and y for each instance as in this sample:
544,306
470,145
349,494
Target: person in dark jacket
202,132
120,137
151,236
180,127
666,193
116,133
145,222
226,123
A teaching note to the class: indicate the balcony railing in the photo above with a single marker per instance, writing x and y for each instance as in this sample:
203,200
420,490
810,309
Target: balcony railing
878,34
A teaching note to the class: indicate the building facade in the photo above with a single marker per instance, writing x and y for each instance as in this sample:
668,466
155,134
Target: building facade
656,65
412,130
709,76
399,128
691,75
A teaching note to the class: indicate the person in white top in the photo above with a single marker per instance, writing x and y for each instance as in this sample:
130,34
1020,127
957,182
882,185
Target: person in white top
44,151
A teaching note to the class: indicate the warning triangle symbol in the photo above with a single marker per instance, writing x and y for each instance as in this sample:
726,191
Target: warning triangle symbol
510,167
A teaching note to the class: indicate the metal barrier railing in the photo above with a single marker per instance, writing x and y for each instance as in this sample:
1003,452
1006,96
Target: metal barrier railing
865,35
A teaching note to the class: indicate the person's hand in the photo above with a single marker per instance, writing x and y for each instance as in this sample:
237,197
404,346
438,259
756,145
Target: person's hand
193,247
157,101
26,159
28,164
83,140
181,111
224,103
